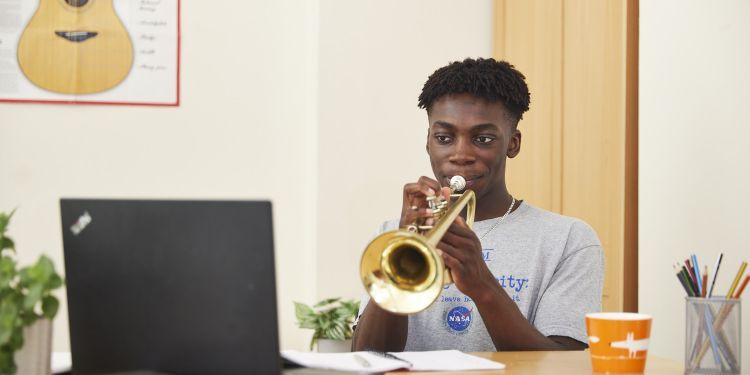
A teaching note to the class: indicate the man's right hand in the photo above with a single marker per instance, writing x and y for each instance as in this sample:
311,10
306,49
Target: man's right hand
415,200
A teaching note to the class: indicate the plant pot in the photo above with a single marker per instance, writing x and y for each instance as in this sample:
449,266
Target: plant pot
34,356
334,346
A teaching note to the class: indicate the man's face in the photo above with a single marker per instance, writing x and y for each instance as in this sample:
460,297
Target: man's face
471,137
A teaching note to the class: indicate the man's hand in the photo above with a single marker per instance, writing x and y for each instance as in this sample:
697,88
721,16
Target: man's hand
415,200
462,253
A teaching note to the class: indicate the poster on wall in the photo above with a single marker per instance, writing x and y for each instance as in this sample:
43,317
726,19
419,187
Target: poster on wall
90,51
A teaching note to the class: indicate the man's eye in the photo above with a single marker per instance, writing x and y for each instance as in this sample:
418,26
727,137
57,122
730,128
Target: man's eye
443,138
484,139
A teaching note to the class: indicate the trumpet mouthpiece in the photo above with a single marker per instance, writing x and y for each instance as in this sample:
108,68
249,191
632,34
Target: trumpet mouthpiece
458,183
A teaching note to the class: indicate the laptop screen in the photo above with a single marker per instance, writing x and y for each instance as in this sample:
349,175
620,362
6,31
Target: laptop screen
183,287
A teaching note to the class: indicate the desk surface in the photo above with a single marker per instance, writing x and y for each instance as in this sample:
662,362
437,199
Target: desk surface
573,362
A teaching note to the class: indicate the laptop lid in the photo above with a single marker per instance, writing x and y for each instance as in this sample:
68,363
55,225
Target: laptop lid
182,287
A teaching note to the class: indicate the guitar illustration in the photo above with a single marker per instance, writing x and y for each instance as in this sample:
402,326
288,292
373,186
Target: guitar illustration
75,47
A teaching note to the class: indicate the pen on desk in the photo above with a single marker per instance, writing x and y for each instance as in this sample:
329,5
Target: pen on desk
361,360
389,356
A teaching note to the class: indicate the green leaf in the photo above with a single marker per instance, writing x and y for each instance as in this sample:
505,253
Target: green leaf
54,282
307,325
50,305
4,220
13,296
336,332
28,318
314,339
8,313
326,302
7,243
24,277
7,361
330,318
305,315
42,270
343,313
302,311
32,297
7,271
352,306
16,340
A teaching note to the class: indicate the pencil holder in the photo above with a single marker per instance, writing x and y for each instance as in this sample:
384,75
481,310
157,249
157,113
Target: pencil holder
712,335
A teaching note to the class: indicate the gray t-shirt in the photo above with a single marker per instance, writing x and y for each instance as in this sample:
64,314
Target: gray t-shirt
551,265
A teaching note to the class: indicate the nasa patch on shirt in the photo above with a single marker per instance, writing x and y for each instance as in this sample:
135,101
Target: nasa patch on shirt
458,319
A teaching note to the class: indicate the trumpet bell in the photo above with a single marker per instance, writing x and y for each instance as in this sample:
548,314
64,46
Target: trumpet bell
401,272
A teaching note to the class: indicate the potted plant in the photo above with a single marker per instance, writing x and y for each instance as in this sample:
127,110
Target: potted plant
27,308
331,319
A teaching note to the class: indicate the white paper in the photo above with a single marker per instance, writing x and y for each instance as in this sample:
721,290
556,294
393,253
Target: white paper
343,361
61,362
442,360
447,360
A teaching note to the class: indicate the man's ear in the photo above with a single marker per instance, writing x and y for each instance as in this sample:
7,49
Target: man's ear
427,142
514,146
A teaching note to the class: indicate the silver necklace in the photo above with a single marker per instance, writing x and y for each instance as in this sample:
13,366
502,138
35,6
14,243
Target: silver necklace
512,203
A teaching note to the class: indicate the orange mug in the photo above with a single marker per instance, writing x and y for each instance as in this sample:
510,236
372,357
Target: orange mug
618,341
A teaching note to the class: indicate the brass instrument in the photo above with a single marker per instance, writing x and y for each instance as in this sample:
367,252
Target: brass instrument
401,269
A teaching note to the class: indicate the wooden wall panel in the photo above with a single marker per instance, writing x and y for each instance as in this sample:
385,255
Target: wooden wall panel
579,152
533,43
594,131
630,255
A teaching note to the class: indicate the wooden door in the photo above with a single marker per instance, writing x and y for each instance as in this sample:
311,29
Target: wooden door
579,147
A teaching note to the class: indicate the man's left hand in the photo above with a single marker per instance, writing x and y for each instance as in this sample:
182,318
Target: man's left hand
462,253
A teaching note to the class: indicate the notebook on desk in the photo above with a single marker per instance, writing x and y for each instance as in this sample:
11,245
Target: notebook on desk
184,287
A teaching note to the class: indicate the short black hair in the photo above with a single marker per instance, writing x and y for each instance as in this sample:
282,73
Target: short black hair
489,79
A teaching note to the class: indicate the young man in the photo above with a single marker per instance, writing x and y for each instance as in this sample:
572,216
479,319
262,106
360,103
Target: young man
523,277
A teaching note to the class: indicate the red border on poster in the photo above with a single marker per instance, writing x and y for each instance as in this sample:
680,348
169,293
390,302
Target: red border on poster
175,104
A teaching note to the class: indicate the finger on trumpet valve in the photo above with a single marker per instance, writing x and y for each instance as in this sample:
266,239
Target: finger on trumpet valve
431,202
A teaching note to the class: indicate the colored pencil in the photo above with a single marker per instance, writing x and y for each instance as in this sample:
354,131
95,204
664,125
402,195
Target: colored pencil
705,281
697,274
691,272
689,281
716,274
737,279
683,280
723,314
742,288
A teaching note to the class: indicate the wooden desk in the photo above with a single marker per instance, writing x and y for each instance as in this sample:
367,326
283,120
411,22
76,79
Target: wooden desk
574,362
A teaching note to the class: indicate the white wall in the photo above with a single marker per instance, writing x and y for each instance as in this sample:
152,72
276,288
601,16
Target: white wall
309,103
694,154
242,131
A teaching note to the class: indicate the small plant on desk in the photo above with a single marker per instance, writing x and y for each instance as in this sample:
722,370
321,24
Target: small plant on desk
25,297
330,318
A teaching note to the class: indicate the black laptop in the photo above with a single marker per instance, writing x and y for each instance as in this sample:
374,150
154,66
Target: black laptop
168,286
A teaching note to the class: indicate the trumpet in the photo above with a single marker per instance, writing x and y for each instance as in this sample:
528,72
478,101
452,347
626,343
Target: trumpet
401,269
